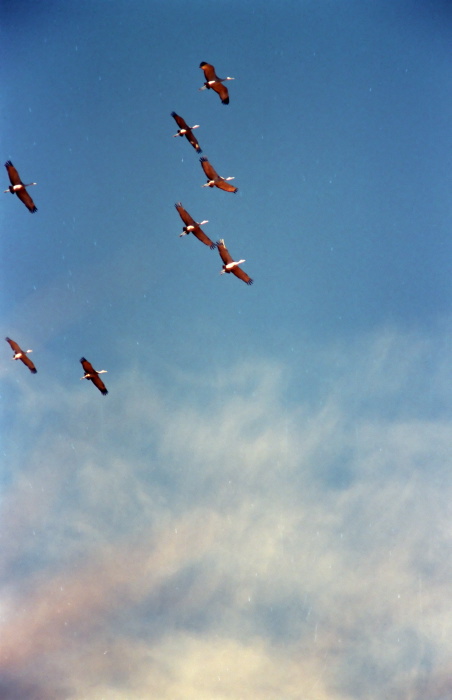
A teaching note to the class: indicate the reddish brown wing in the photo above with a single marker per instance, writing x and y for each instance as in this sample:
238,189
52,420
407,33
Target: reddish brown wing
97,381
26,360
224,252
193,141
238,272
209,71
184,215
208,169
222,90
201,236
87,366
26,199
14,346
13,175
181,123
226,186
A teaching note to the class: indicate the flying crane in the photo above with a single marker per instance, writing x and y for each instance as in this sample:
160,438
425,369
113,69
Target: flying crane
93,375
215,180
17,187
22,355
230,265
192,226
185,130
213,82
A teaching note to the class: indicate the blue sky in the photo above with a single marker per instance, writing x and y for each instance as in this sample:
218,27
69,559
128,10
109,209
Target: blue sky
261,505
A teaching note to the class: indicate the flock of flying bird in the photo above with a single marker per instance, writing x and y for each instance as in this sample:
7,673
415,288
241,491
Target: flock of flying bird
212,82
17,187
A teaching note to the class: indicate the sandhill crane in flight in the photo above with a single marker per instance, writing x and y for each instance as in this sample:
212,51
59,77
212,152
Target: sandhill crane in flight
230,265
91,373
185,130
192,226
215,180
20,354
18,187
213,82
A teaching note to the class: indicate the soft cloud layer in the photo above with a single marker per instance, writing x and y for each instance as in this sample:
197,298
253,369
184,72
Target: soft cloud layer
235,545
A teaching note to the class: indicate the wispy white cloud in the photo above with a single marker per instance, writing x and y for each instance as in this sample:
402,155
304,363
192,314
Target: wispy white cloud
236,544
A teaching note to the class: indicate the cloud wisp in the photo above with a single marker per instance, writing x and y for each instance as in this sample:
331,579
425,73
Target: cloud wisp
244,546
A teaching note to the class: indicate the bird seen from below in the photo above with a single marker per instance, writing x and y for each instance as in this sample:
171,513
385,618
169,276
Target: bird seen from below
22,355
93,375
185,130
213,82
192,226
230,265
215,180
18,187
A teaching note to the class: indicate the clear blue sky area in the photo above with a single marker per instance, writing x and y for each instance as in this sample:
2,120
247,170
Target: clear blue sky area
260,507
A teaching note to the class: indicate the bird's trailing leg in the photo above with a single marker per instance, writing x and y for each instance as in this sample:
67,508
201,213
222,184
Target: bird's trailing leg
219,80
